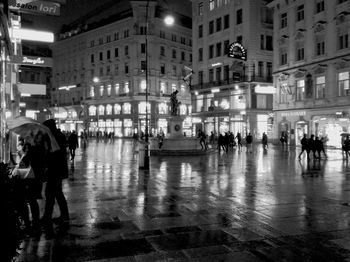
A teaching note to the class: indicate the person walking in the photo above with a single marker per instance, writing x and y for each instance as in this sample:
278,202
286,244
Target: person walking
312,145
202,140
72,144
304,147
249,140
239,141
57,170
264,141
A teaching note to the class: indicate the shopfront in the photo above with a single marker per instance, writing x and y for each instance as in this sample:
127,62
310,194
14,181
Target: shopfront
162,125
128,127
118,128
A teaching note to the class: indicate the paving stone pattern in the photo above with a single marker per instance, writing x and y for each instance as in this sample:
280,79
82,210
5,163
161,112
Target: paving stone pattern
264,206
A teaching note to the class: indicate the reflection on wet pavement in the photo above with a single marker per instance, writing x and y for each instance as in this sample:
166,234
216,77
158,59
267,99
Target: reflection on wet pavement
265,206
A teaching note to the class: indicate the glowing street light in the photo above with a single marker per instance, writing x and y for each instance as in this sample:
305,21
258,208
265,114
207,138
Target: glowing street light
169,20
96,80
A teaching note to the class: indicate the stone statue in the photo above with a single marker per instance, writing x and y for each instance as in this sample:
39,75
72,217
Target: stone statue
174,103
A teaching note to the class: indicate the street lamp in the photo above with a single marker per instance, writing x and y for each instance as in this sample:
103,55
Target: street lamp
169,21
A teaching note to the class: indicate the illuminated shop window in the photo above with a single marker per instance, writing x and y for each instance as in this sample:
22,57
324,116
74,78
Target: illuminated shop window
343,83
92,91
92,110
109,89
163,108
101,90
101,110
142,108
300,90
116,87
143,85
117,109
183,109
108,109
211,5
199,104
320,87
126,108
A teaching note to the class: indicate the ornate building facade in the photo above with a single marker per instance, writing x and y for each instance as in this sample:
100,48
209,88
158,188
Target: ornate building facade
99,77
230,94
311,69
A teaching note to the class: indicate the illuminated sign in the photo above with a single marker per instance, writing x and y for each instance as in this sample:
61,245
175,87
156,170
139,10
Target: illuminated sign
216,64
294,113
32,35
236,50
31,89
264,89
32,61
36,7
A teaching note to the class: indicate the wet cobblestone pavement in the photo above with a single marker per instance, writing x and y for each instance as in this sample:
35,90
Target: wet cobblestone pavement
265,206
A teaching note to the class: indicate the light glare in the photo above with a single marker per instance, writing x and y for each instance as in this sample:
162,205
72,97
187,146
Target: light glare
33,35
169,20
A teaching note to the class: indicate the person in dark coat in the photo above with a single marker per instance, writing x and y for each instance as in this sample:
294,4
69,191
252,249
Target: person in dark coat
72,144
312,145
304,146
57,170
239,140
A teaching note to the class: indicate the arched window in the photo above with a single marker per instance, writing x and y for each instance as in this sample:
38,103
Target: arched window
143,85
92,110
126,108
108,109
101,110
117,109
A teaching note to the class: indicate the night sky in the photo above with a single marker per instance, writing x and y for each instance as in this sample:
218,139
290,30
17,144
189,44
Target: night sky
74,9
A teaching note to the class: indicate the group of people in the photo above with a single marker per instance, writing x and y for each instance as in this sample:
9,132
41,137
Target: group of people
312,144
49,167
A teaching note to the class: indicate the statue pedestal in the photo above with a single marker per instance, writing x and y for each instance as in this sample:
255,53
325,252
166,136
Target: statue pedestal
176,127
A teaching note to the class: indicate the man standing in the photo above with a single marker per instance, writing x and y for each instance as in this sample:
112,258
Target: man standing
72,144
57,170
249,140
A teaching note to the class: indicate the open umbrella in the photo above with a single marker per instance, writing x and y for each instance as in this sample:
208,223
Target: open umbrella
28,128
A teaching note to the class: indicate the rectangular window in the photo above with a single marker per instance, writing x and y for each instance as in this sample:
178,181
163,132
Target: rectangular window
143,66
162,51
261,102
143,48
200,31
343,41
269,43
226,21
218,24
116,88
173,38
162,69
218,74
239,16
116,52
108,39
211,27
200,8
226,72
126,68
211,75
300,13
92,43
262,42
226,46
300,53
300,90
260,69
182,56
269,69
161,34
218,49
211,51
173,53
319,6
126,87
342,1
200,77
92,58
100,41
211,5
108,54
283,60
101,56
320,48
183,40
343,84
126,33
320,87
143,30
283,20
108,70
126,50
116,36
173,71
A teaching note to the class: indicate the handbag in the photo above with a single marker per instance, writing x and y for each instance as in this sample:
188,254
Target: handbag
23,172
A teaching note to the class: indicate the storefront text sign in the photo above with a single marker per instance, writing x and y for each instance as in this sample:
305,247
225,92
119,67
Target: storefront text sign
32,61
36,7
236,50
294,113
